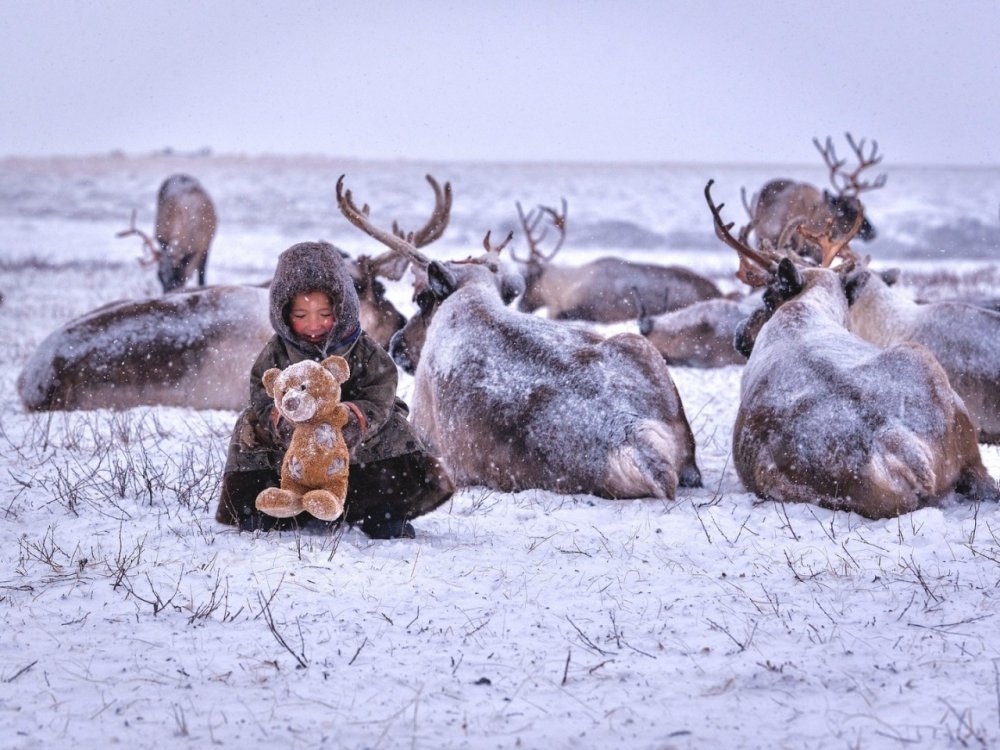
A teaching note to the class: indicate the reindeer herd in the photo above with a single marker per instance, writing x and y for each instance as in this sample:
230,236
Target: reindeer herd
852,397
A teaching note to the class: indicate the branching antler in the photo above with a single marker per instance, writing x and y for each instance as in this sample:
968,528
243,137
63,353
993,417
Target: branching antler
756,266
146,241
436,225
529,224
831,249
851,184
359,218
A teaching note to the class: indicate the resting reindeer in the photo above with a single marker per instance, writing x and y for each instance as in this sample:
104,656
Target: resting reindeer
180,349
185,226
828,418
961,336
699,335
605,290
782,205
513,401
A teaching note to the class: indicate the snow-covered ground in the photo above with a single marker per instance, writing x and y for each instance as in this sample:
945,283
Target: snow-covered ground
531,620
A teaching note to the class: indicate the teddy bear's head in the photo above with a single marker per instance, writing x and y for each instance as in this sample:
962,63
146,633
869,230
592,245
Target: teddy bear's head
303,390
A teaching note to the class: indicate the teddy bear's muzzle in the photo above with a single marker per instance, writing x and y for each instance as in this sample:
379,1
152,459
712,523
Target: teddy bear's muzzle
299,406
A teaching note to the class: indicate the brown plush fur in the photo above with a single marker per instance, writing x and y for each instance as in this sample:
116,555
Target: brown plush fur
314,472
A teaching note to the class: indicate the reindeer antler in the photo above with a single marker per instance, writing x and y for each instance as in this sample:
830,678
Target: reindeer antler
359,218
438,221
831,249
146,241
850,184
756,266
529,224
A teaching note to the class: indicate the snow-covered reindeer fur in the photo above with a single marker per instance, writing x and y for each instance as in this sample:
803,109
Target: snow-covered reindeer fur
605,290
185,226
182,349
699,335
828,418
964,338
513,401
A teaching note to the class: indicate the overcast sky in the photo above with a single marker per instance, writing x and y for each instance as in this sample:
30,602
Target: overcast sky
706,80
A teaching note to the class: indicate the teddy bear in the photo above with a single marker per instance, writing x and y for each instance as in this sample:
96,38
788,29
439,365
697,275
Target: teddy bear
314,472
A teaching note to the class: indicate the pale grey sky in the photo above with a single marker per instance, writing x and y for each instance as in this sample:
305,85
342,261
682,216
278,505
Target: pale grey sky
591,80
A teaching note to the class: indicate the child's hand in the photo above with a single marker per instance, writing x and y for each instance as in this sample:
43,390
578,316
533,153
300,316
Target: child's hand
281,429
352,431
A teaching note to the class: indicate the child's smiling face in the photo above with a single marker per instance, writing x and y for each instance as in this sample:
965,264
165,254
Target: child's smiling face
311,316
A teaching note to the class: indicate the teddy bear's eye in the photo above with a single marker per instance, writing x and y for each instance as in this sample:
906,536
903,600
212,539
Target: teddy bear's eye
302,387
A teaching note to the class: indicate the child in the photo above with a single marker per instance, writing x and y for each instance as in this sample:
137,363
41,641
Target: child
314,312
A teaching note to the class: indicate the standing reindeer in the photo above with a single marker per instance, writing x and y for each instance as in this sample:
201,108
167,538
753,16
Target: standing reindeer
185,226
782,205
513,401
605,290
828,418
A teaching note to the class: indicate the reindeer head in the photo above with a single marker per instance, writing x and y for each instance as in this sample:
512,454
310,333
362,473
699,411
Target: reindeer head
845,203
436,280
533,266
780,276
442,280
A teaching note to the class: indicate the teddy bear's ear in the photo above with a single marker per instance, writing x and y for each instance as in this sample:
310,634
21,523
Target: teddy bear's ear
268,380
338,367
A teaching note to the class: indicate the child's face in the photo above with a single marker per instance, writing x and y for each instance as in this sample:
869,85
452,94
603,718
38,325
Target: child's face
311,316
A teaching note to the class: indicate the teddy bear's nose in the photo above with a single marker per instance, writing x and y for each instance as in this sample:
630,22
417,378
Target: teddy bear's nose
292,403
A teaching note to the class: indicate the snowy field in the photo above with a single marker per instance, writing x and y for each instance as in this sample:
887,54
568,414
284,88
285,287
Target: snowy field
531,620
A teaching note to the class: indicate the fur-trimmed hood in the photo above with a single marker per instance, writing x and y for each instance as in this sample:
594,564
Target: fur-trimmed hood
308,267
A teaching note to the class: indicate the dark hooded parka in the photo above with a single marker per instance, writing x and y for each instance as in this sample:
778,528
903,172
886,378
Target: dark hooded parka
379,418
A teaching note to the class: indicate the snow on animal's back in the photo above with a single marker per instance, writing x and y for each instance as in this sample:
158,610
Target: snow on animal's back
570,377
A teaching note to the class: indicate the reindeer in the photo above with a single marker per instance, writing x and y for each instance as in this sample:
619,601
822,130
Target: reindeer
963,338
185,226
184,348
379,317
189,349
605,290
699,335
513,401
826,417
782,205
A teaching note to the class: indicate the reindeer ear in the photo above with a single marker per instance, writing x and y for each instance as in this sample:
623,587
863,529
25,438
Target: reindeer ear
338,367
789,279
511,285
890,276
395,268
854,283
746,332
268,379
440,279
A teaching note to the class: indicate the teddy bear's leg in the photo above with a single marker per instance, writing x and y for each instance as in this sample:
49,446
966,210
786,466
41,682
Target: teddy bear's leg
279,503
324,505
